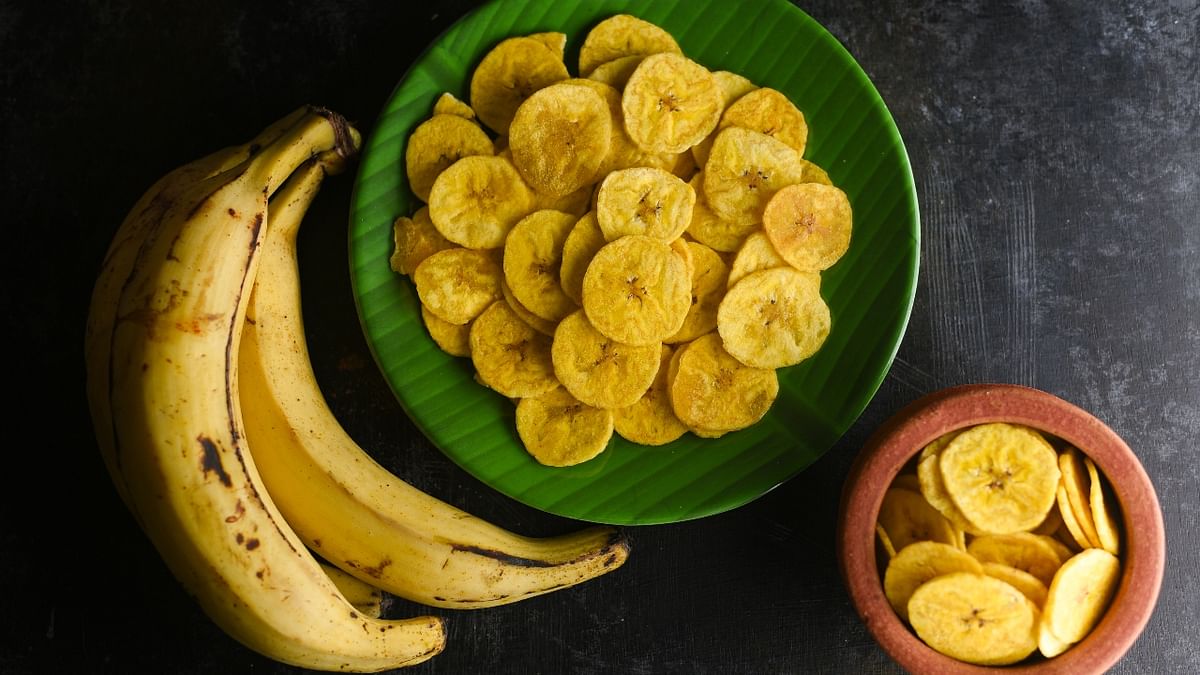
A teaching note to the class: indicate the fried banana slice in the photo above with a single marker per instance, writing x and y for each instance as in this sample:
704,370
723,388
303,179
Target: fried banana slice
559,430
670,103
452,338
581,245
449,104
975,618
622,35
598,370
1023,581
459,283
1075,484
477,200
1028,552
616,72
744,170
532,263
712,391
1080,593
415,239
636,290
560,137
437,143
809,224
1102,512
908,518
711,229
644,200
651,420
510,73
538,323
509,355
768,111
709,275
756,253
733,86
917,563
774,318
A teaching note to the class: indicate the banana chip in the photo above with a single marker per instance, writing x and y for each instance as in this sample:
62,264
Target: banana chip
559,430
814,173
809,224
449,104
929,474
510,73
620,36
744,170
532,263
1028,552
1023,581
1002,477
1106,526
560,137
774,318
536,322
709,279
732,86
975,618
713,391
459,283
509,355
437,143
581,245
651,420
616,72
756,253
670,103
477,200
452,338
1075,485
908,518
636,290
555,42
598,370
916,564
1080,593
712,230
644,200
768,111
1070,522
414,240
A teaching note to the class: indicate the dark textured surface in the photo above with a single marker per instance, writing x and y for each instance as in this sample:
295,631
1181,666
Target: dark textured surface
1056,148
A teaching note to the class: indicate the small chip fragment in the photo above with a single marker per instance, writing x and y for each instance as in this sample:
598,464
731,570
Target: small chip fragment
415,239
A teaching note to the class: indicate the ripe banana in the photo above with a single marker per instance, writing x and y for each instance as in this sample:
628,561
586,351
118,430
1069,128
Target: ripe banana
353,511
161,347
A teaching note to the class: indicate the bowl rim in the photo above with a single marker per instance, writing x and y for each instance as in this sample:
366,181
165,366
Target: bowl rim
888,449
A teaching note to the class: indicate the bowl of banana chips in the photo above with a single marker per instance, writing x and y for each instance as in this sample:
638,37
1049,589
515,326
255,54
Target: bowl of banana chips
634,262
1000,526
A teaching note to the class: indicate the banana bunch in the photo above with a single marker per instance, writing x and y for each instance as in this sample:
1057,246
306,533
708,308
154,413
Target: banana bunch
217,438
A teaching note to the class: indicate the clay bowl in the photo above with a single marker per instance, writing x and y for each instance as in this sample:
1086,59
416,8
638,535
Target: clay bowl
907,432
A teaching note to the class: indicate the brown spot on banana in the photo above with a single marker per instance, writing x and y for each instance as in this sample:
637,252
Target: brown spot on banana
210,460
374,572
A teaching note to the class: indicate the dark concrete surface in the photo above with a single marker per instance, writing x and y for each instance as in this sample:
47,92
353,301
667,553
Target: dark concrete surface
1056,149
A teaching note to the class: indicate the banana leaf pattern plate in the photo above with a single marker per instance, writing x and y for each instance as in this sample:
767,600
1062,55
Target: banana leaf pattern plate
870,290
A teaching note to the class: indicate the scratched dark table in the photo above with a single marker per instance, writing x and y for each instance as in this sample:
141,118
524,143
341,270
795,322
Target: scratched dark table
1056,150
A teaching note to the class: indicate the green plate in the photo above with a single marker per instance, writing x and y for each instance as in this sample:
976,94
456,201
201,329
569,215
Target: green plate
870,290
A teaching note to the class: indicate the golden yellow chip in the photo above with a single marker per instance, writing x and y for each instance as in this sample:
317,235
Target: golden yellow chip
555,42
598,370
1025,551
459,283
1080,593
539,324
651,420
575,203
713,391
768,111
1002,477
932,488
809,224
670,103
477,200
709,275
559,430
1102,513
889,549
509,355
449,104
644,200
712,230
918,562
510,73
744,170
815,174
622,153
532,260
452,338
437,143
908,518
975,618
774,318
414,240
622,35
733,86
581,245
559,138
1075,484
1048,644
636,290
616,73
756,253
1023,581
1070,522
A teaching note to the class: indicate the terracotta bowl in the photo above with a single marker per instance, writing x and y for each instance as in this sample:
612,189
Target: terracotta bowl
906,433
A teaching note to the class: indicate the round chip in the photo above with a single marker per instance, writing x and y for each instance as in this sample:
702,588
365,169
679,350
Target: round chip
459,283
1002,477
532,261
975,618
712,230
1028,552
452,338
809,224
509,355
774,318
581,245
744,170
622,35
713,391
559,138
558,430
644,200
908,518
415,239
756,253
709,275
477,200
917,563
768,111
598,370
670,103
437,143
651,420
1080,593
636,290
510,73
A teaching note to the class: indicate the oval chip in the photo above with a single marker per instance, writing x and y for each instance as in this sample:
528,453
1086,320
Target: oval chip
1023,581
809,224
622,35
1080,593
1102,512
1075,484
559,430
459,283
744,170
510,73
636,290
437,143
532,262
774,318
644,200
651,420
670,103
975,618
598,370
509,355
917,563
712,391
477,200
560,137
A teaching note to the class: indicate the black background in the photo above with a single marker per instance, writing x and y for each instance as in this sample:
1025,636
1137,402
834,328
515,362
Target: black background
1056,148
